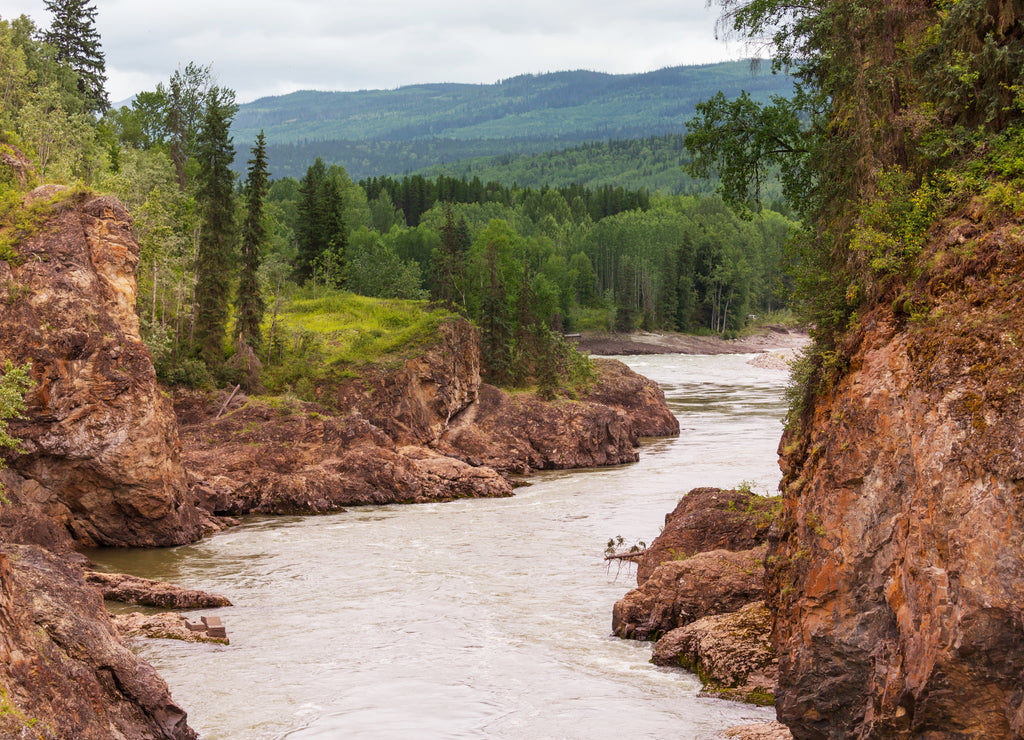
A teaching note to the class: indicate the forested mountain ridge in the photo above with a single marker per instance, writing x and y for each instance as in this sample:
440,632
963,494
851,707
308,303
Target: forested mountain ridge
374,132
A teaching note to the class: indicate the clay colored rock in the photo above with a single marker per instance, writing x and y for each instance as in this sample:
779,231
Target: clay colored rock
732,653
102,449
638,397
520,433
710,519
897,579
130,589
682,591
166,626
64,671
295,457
761,731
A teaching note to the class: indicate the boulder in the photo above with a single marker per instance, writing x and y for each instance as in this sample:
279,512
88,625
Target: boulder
732,653
682,591
640,398
520,433
710,519
130,589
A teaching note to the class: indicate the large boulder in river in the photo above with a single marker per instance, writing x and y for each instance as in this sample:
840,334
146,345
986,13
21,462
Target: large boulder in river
101,444
710,519
732,653
64,671
640,398
682,591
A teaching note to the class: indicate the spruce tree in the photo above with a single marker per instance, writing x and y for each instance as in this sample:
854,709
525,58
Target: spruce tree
249,305
76,42
216,240
321,234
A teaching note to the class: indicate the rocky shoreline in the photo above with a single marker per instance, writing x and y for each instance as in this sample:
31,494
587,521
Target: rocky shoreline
773,337
110,459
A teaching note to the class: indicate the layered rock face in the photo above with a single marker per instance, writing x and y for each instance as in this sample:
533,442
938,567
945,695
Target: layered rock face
64,671
519,433
700,591
428,430
898,575
102,449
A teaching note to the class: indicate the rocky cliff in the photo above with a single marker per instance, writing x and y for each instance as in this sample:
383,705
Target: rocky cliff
426,430
897,576
64,673
102,448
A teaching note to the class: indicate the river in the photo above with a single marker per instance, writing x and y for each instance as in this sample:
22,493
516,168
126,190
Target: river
472,619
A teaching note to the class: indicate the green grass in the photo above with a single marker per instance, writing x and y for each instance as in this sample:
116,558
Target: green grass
336,334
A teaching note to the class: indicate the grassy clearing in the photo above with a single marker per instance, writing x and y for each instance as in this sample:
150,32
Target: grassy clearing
335,334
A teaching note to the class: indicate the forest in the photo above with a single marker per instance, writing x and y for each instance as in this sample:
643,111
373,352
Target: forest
374,132
225,258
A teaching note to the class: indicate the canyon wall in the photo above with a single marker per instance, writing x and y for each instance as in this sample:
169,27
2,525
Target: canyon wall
897,571
102,446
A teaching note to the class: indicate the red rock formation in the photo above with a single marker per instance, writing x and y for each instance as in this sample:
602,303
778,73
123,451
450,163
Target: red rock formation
732,652
297,458
709,519
130,589
898,576
681,591
520,433
638,397
64,671
102,450
414,403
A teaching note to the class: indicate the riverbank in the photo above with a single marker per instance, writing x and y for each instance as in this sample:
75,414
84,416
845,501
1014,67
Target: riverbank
775,337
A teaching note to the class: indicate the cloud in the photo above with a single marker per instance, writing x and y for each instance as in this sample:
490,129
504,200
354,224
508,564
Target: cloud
264,48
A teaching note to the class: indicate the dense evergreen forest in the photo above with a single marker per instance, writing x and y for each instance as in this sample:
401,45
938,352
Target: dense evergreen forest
395,132
223,257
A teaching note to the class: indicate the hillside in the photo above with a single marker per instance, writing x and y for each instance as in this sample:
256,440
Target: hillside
374,132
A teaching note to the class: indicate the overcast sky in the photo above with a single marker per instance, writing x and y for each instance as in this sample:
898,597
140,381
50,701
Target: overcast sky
263,48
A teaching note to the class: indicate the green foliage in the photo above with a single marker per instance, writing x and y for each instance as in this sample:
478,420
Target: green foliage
74,38
215,255
328,336
249,304
893,223
14,383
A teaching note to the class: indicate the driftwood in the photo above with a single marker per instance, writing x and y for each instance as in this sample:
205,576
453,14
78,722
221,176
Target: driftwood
625,555
227,402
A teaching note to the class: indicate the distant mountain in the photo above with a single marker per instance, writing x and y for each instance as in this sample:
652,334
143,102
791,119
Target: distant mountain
378,132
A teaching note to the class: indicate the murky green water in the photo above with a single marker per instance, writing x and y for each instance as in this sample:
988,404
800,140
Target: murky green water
473,619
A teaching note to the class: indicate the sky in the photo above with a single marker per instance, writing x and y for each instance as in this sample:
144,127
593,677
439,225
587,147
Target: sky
261,48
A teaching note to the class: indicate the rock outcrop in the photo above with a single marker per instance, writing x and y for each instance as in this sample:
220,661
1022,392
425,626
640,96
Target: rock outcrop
297,458
428,430
102,450
709,519
129,589
897,576
681,591
700,594
164,626
732,652
63,669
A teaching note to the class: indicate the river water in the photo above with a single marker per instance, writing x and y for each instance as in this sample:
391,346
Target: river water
472,619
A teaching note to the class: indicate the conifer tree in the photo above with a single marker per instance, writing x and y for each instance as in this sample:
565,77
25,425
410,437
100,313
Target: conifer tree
249,305
321,233
74,37
216,241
